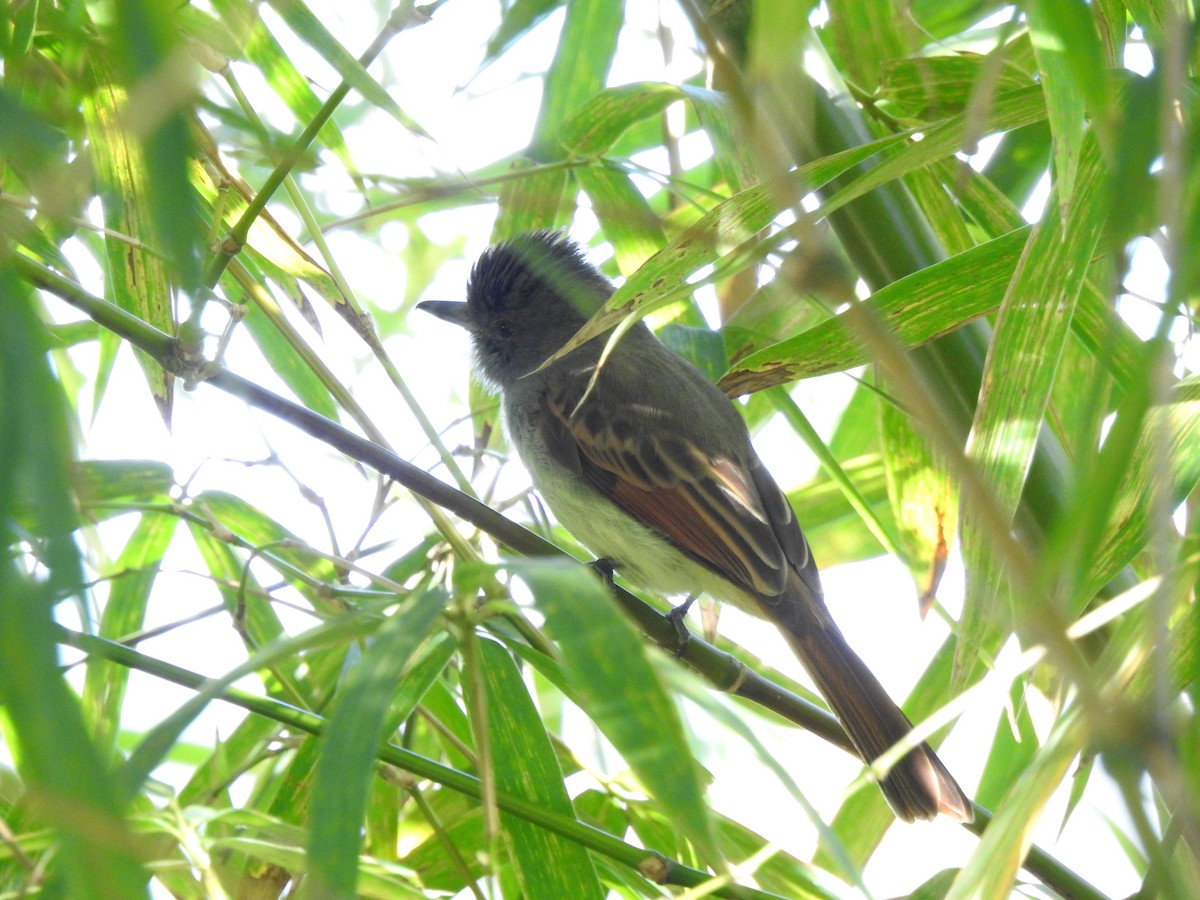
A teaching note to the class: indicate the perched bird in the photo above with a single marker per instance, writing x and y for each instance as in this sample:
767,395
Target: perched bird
652,468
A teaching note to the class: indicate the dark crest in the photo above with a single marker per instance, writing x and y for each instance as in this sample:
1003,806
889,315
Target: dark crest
509,273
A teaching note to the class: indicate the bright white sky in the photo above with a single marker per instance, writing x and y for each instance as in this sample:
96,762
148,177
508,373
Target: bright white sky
213,436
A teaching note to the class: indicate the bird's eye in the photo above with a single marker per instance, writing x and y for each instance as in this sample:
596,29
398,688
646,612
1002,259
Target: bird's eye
504,329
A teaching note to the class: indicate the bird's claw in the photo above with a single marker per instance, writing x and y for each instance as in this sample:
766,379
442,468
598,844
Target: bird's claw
605,567
682,635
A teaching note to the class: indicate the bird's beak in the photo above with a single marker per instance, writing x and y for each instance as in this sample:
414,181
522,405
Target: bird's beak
454,311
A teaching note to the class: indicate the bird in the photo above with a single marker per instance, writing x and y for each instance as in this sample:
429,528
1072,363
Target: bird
651,467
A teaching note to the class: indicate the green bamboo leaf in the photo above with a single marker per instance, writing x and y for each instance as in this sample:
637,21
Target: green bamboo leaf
629,224
924,501
41,245
935,888
138,278
620,691
532,202
736,159
1079,422
1020,161
442,706
653,828
735,222
665,276
261,531
143,45
857,432
381,828
254,614
132,578
1112,19
106,488
1170,436
933,87
940,209
309,28
698,344
1080,779
580,66
223,190
154,746
1013,747
524,764
604,810
992,868
781,873
868,34
461,827
210,39
940,140
103,483
286,351
228,758
1106,339
288,798
238,587
1071,66
356,727
30,143
1152,16
813,278
264,51
600,122
413,561
919,308
945,18
36,444
550,669
20,40
67,781
980,197
519,19
1064,101
1031,330
428,664
57,758
384,802
836,533
604,125
275,849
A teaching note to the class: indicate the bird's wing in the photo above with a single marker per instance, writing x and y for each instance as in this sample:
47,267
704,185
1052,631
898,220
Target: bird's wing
706,504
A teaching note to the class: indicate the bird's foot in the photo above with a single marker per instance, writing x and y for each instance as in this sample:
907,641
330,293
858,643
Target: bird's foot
605,567
682,635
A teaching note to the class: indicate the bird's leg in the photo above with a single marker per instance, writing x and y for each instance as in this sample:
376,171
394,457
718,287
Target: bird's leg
605,567
682,635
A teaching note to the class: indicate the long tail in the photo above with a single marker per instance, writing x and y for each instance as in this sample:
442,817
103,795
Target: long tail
917,787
